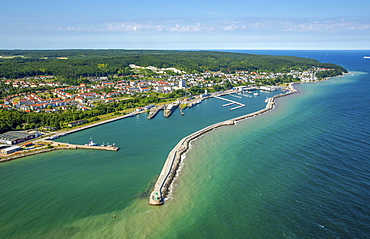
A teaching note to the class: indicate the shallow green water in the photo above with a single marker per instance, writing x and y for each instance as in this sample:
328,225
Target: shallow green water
299,171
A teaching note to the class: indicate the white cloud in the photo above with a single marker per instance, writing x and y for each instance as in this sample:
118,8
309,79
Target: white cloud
199,25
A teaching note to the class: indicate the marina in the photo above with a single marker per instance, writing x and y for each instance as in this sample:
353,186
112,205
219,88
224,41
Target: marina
173,161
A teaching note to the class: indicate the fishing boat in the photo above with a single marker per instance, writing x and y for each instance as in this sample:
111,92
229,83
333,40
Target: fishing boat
91,143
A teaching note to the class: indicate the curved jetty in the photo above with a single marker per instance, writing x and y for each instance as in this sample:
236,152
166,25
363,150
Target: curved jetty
165,179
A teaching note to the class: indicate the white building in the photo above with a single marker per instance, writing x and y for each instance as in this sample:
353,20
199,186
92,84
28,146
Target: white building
10,150
182,84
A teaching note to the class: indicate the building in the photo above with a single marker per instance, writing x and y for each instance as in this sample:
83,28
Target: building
10,150
78,122
182,84
268,88
15,137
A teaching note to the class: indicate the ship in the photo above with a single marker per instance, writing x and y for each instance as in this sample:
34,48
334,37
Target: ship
153,111
169,109
366,57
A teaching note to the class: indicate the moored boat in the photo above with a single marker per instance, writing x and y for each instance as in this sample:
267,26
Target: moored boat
91,143
169,109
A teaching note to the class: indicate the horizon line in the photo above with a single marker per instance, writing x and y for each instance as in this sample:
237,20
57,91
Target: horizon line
182,49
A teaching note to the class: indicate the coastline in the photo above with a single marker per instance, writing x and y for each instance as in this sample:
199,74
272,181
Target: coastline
163,184
80,128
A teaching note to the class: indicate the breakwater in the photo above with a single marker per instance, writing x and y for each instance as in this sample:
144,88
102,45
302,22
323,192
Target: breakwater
173,161
56,146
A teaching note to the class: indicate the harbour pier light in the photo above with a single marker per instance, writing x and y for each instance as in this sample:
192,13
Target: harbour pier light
156,198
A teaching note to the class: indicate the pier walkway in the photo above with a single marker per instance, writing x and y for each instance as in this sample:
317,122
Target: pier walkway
232,102
77,146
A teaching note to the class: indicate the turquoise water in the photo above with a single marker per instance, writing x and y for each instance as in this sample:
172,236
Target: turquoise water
299,171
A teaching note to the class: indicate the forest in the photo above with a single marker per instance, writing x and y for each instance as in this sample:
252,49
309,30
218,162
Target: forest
74,64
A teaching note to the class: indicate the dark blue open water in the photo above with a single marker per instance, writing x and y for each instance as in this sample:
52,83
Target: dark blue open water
299,171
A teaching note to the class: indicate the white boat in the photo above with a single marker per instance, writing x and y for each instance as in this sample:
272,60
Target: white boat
256,94
366,57
91,143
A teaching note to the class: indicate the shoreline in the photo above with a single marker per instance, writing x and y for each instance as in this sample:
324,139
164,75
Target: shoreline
163,184
80,128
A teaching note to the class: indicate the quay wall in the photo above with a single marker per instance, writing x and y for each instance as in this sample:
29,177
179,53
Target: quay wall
162,186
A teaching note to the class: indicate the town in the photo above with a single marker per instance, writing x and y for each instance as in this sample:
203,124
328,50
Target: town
115,88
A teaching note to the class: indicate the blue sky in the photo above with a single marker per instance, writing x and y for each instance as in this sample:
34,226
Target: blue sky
162,24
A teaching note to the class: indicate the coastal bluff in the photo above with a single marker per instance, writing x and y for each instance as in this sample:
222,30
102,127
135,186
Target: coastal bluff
173,161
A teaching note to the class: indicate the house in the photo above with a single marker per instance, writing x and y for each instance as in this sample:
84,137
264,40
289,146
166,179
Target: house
113,94
80,99
107,84
77,122
148,107
90,95
144,89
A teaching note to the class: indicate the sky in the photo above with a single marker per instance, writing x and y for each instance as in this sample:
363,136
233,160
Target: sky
190,24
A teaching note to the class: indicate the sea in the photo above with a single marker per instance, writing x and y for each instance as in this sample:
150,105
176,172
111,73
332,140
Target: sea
301,170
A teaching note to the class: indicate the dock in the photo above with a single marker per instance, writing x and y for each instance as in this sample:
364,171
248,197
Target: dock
77,146
56,146
244,95
154,111
236,96
193,102
169,109
231,103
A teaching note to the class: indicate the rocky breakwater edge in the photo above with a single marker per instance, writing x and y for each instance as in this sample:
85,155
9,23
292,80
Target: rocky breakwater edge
163,184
